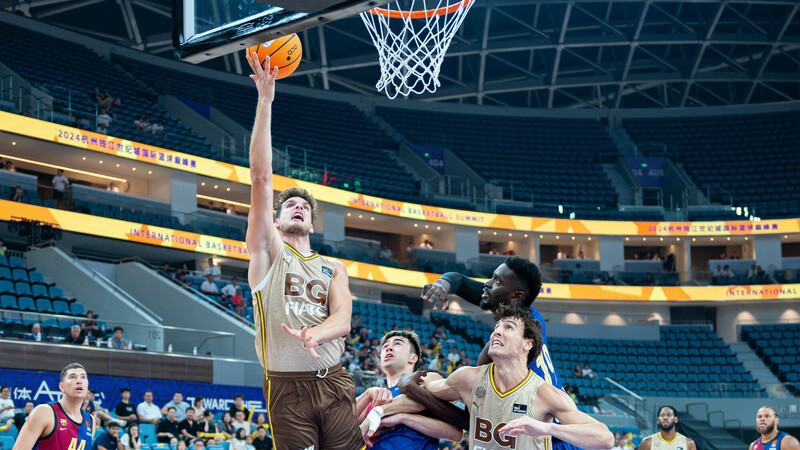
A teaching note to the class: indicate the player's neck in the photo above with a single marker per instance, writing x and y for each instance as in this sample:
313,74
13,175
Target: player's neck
668,435
71,406
300,243
393,379
771,436
508,374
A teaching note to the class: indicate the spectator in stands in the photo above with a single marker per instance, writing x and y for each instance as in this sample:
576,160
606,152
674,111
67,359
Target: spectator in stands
199,409
440,334
727,272
453,357
230,288
167,431
9,166
762,276
179,405
77,123
209,287
157,128
238,405
588,372
93,408
17,196
6,406
181,445
239,441
571,391
240,423
36,333
2,247
113,187
262,441
21,417
649,280
98,95
577,372
226,425
207,425
147,411
386,253
237,299
752,274
141,124
60,183
578,271
580,254
212,268
76,336
108,440
125,409
723,255
117,341
199,444
131,439
104,119
669,263
101,128
494,251
89,325
355,323
426,244
188,427
717,274
188,284
734,255
28,112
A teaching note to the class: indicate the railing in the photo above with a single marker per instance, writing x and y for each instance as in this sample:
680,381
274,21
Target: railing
151,337
73,99
22,98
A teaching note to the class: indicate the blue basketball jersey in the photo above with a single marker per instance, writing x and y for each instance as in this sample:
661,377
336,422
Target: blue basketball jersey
401,437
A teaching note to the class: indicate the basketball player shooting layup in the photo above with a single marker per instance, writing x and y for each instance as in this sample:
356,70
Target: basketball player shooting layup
62,425
667,438
770,438
510,406
310,397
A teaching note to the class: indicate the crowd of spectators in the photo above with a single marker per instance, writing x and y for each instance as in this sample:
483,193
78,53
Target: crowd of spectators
176,423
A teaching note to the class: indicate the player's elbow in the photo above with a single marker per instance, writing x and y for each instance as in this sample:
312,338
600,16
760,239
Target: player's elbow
261,178
608,439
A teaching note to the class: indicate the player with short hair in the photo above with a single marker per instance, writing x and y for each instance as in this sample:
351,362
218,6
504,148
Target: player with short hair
770,438
400,355
509,405
61,425
310,396
667,438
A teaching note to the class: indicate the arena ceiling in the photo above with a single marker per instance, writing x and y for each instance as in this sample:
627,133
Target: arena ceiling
539,54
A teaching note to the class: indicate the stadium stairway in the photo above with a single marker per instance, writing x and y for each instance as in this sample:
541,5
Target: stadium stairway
94,290
182,309
707,437
755,365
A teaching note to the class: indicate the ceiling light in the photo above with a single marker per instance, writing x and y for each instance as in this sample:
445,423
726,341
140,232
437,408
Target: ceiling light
644,239
745,238
558,237
372,218
426,227
216,186
228,189
149,172
84,158
479,231
101,161
133,169
438,228
348,214
661,239
627,239
712,239
694,239
360,216
13,142
416,225
590,238
509,234
203,183
729,238
117,165
573,238
679,239
494,233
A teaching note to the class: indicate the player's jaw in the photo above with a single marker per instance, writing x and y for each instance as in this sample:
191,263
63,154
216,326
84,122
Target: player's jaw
666,425
765,428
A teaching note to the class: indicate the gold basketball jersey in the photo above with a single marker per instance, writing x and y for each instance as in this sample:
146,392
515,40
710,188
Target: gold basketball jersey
492,410
657,442
295,292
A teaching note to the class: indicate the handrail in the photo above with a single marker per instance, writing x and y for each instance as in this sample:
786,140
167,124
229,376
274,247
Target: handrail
624,389
97,275
210,300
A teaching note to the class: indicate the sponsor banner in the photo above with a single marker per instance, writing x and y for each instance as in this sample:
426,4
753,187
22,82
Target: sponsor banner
42,387
165,237
88,140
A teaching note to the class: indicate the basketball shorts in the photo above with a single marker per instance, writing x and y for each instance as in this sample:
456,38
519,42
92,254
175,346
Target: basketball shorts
313,410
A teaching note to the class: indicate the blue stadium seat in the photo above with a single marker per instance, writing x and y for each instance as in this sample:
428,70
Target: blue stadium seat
16,261
8,302
5,273
44,305
77,309
61,307
26,304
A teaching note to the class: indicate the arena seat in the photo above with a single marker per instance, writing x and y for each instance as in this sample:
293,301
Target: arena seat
720,152
778,345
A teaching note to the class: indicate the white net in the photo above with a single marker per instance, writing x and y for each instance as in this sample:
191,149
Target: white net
412,42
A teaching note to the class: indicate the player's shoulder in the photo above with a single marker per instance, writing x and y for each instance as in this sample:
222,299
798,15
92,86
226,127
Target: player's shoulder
789,442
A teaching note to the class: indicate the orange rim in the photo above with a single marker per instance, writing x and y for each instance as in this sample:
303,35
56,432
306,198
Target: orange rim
420,14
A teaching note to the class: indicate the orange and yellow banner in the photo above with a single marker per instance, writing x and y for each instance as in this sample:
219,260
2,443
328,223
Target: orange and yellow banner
184,240
172,159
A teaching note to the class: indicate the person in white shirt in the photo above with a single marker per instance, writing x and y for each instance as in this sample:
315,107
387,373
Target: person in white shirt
453,357
199,409
147,411
211,268
386,253
6,406
104,119
230,289
60,183
157,128
241,423
588,372
209,287
131,439
113,187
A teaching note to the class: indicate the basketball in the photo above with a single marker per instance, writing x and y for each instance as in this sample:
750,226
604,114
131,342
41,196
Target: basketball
284,52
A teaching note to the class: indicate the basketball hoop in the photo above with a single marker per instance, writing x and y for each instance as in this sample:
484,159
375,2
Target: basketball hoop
412,42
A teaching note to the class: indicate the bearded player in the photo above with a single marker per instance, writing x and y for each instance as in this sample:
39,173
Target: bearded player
302,305
667,437
770,438
61,425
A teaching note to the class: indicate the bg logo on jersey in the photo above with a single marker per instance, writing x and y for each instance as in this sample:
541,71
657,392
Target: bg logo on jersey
486,432
316,291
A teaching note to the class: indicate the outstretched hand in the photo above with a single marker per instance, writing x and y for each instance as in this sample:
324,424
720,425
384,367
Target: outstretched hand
302,335
265,81
436,293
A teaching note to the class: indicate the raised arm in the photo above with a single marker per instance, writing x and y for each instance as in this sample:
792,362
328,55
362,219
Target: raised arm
39,423
452,283
576,427
340,305
262,238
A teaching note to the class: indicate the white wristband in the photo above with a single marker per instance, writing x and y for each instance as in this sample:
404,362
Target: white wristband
374,417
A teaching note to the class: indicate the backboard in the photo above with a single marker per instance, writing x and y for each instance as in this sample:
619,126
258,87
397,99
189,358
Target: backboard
206,29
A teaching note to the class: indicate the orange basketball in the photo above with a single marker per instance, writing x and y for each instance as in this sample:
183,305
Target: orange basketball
284,52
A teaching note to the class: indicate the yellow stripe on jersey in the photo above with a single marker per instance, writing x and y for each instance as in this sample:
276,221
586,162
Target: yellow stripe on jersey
304,258
666,441
491,378
263,331
269,416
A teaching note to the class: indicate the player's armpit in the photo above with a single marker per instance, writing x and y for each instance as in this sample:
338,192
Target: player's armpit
40,423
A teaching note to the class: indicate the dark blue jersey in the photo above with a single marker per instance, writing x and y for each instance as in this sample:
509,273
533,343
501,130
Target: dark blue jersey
401,437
